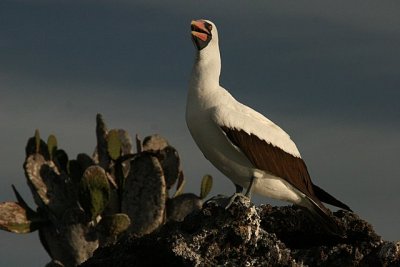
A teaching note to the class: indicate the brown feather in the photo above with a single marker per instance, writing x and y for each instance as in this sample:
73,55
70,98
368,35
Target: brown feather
276,161
273,160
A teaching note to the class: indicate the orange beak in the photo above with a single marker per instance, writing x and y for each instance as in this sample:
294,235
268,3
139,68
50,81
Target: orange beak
199,30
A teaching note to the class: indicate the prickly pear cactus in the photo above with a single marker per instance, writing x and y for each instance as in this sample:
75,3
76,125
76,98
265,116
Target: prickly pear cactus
18,217
15,218
183,204
52,189
145,195
167,155
94,191
91,201
112,226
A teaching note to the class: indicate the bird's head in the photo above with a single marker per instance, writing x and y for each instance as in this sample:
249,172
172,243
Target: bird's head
204,32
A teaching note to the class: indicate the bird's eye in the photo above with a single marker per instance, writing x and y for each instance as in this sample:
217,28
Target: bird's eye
209,27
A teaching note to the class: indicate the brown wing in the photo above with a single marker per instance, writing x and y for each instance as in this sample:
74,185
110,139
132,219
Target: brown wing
276,161
272,159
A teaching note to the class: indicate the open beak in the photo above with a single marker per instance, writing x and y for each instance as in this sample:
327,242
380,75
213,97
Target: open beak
201,33
200,30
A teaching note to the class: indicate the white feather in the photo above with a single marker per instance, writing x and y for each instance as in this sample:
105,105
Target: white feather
238,116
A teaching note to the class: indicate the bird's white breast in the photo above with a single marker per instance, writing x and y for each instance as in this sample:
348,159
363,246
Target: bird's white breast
222,153
210,138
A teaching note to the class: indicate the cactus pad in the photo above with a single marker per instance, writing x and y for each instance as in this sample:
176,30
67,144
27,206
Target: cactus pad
37,146
101,149
154,143
206,185
144,195
113,145
51,189
14,218
179,207
111,226
52,145
180,185
94,191
167,155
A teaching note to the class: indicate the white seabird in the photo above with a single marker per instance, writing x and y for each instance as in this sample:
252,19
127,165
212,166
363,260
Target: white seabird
244,145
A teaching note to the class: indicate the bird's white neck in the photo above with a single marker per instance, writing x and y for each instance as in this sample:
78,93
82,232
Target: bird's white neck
206,69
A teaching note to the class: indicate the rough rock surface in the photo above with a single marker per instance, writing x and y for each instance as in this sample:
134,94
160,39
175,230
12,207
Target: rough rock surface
245,235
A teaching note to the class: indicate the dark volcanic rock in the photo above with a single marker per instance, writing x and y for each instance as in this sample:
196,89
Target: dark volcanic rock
245,235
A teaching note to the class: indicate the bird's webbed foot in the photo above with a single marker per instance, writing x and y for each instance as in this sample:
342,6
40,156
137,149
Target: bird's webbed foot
225,201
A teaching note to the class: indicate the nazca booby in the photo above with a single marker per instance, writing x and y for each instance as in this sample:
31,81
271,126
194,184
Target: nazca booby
244,145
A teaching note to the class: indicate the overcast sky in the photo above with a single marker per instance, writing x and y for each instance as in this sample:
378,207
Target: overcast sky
328,72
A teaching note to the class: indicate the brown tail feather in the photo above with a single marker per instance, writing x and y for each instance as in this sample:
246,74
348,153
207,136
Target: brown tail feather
325,197
323,216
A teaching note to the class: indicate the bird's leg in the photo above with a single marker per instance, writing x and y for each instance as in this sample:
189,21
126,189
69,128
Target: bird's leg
227,202
249,190
231,199
239,189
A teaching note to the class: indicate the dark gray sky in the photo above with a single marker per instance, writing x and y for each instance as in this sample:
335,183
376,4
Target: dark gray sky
328,72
